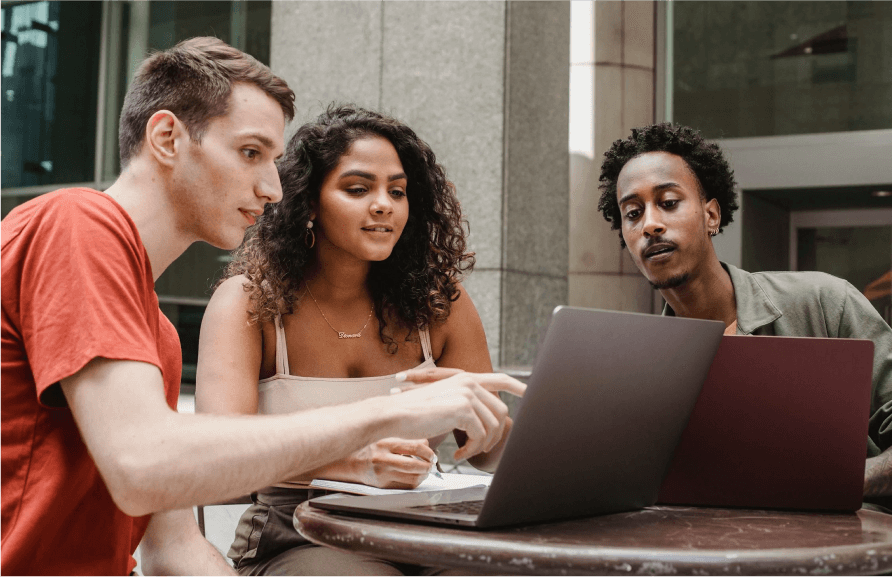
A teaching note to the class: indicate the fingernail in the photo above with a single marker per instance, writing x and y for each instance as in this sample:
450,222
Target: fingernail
400,377
395,391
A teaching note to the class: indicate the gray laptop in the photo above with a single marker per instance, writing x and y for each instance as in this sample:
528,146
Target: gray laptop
609,396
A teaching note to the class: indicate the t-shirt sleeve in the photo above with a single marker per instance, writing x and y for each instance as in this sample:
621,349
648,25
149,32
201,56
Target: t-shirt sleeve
84,289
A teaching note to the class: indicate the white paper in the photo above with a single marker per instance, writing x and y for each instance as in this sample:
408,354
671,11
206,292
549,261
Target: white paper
432,483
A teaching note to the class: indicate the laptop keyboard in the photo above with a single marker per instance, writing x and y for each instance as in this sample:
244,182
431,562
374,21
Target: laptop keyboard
463,507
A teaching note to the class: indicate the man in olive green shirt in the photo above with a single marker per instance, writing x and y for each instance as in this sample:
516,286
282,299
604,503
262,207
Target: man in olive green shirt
669,192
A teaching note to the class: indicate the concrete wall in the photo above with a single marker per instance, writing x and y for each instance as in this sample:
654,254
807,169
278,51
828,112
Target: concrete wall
486,85
602,275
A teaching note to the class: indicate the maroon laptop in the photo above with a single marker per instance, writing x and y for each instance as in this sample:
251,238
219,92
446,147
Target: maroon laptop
781,422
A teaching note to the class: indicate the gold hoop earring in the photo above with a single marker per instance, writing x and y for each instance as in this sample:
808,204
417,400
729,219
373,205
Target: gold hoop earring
310,237
714,232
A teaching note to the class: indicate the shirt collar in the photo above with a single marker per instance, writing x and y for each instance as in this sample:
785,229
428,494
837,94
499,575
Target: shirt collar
754,308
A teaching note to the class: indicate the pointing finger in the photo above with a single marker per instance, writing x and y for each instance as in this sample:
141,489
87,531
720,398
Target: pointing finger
427,375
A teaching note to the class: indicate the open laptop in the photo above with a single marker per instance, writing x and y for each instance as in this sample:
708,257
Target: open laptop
781,423
609,396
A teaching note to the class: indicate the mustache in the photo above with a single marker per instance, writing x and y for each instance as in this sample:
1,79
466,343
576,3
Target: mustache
658,240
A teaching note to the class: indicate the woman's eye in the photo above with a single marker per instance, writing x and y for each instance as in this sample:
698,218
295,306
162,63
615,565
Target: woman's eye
669,203
250,153
398,192
356,190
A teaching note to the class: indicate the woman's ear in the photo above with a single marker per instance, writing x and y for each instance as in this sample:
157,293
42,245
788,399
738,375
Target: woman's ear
164,134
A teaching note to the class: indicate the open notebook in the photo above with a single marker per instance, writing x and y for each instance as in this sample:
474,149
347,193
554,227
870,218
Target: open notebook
432,483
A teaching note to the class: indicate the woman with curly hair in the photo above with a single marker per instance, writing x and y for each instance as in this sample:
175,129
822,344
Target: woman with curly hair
350,279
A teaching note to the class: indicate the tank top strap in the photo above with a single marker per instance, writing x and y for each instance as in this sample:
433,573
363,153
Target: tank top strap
281,348
425,336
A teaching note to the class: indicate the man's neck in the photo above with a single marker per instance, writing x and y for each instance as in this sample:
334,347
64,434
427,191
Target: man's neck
709,294
142,193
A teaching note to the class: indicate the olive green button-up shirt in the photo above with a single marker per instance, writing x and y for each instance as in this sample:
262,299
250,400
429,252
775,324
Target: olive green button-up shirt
816,304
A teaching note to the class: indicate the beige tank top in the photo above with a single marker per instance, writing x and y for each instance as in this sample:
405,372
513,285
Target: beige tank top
286,393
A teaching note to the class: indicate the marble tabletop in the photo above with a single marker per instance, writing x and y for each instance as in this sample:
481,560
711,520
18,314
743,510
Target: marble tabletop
658,540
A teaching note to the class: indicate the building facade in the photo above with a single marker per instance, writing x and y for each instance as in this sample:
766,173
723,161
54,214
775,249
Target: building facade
519,100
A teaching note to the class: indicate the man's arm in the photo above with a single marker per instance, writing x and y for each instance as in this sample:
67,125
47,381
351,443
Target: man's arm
154,459
173,545
859,320
878,475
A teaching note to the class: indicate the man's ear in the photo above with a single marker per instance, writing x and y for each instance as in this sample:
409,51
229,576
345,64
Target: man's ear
164,135
713,214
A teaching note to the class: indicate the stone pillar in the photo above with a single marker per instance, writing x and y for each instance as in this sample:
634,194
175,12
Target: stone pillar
486,85
620,71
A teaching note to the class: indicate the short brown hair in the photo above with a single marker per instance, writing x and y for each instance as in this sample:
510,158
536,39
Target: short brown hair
193,80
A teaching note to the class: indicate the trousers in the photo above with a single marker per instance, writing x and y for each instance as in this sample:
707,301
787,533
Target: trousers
266,543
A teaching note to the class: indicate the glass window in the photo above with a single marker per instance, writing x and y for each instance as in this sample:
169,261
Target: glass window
186,284
245,25
775,68
7,203
861,255
57,103
50,80
187,319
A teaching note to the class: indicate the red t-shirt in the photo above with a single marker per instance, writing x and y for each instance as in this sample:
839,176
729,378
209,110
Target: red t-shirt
77,284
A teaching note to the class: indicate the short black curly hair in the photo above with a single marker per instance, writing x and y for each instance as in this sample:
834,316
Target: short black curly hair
703,157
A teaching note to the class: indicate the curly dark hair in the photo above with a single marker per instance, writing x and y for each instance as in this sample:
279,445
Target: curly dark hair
416,284
704,158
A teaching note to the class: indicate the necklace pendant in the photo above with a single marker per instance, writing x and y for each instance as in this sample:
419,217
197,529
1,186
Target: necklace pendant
346,336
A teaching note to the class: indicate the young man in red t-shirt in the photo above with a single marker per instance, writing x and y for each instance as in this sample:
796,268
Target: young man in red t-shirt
94,456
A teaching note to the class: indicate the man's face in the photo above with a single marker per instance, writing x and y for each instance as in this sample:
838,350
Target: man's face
223,183
665,221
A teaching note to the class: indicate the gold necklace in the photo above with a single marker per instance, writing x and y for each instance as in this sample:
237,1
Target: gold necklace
341,335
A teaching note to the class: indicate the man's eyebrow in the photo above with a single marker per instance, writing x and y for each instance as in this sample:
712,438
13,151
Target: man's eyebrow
665,185
628,197
657,188
263,139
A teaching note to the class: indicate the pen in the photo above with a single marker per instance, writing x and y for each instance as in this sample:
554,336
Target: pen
435,470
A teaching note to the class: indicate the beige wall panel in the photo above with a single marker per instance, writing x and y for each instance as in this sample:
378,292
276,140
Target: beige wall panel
638,87
608,107
591,240
608,31
638,34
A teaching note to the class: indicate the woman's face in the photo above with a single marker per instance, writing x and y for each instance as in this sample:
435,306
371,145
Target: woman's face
362,207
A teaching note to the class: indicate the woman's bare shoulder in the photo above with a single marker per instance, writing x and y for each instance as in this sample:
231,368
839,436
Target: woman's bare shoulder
460,340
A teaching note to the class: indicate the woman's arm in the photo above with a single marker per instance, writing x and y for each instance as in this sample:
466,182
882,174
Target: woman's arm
230,353
230,350
464,347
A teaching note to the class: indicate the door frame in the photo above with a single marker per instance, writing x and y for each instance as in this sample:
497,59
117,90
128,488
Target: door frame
855,217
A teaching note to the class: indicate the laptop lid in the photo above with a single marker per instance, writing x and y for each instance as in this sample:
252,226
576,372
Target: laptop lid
781,423
606,403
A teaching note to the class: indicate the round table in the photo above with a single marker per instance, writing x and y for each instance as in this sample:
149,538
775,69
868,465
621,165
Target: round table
654,541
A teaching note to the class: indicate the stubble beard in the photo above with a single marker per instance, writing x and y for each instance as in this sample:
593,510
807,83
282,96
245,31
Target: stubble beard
672,282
